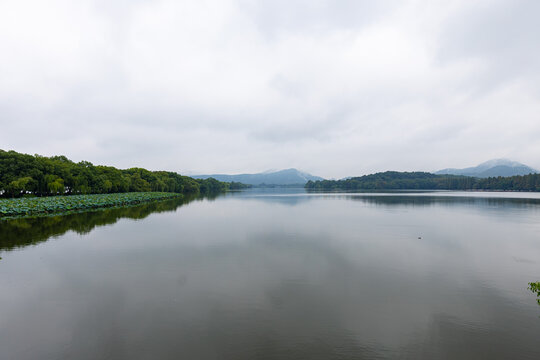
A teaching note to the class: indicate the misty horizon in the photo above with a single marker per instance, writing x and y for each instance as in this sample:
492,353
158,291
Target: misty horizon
269,171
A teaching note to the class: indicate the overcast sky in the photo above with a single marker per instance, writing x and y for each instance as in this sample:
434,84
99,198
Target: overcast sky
335,88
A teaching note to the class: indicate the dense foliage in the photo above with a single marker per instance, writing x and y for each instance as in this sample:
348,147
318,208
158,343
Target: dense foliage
535,288
393,180
233,185
52,204
22,174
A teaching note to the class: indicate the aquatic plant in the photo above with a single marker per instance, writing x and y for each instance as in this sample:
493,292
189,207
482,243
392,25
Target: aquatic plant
535,288
55,204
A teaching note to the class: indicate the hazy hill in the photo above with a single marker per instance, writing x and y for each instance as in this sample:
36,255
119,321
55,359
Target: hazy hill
281,177
492,168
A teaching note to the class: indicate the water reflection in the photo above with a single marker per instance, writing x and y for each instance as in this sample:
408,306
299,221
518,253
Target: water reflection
248,277
20,232
30,231
431,200
404,199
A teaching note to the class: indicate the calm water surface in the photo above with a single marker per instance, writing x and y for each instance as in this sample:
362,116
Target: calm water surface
277,275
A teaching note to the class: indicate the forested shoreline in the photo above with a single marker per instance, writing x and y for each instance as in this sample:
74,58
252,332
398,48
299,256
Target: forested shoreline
35,175
393,180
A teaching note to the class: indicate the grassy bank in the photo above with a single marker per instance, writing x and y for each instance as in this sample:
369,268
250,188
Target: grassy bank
57,204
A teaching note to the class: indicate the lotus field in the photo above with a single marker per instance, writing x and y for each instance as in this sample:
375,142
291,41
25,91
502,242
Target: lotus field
55,204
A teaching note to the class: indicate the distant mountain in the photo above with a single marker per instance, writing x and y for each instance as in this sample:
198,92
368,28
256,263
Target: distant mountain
492,168
282,177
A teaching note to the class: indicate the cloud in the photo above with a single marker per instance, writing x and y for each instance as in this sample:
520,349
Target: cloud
335,88
500,34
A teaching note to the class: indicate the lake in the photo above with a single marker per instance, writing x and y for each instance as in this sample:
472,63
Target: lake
277,274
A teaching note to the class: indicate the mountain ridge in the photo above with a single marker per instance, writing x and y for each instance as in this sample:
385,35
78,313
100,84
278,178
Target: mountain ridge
289,176
491,168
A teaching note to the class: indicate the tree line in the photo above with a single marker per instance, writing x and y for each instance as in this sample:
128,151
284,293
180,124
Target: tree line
23,174
393,180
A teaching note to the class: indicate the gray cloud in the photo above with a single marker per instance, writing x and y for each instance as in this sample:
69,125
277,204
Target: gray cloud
281,17
334,88
501,34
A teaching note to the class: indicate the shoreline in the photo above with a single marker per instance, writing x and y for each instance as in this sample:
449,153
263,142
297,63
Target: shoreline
67,204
